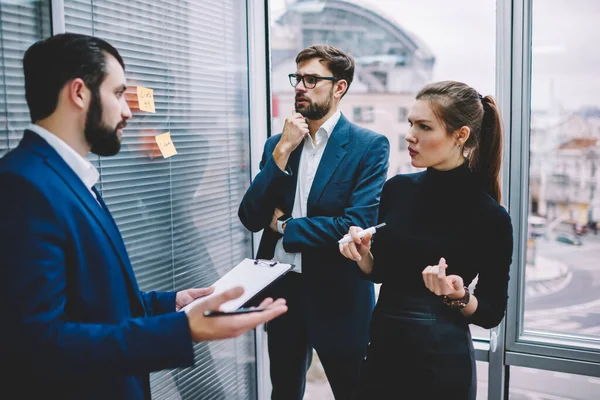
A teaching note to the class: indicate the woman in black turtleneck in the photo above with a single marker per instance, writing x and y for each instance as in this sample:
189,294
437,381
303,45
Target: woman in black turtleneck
444,227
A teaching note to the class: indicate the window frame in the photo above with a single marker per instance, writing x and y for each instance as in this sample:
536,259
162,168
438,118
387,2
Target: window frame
261,113
543,350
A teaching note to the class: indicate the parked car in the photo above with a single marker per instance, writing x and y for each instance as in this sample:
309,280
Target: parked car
568,238
580,229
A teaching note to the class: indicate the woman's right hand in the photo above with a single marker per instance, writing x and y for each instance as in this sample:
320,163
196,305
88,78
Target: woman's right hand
358,247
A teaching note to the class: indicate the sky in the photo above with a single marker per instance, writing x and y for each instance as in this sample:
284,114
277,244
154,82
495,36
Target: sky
462,35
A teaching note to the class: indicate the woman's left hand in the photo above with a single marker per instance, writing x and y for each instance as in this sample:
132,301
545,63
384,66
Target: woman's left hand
436,281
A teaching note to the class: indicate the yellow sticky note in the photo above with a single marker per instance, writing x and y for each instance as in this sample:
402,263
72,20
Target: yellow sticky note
165,144
146,99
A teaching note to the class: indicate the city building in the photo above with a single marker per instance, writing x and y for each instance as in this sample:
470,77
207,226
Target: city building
565,166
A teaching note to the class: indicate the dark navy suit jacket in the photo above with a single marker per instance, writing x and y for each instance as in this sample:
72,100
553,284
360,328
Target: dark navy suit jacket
345,192
74,323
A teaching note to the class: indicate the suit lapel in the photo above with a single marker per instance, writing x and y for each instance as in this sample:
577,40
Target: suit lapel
333,155
102,216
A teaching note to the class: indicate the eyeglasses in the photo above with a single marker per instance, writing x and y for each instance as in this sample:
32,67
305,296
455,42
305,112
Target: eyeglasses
310,81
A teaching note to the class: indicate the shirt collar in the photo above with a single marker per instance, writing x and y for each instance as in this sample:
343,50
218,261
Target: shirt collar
329,125
325,130
80,165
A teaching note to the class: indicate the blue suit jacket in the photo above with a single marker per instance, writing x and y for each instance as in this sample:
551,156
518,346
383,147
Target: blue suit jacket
74,323
345,192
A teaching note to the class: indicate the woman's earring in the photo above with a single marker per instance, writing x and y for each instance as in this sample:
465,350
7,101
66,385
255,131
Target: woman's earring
458,145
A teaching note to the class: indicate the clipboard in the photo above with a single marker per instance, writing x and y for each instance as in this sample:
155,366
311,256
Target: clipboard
254,275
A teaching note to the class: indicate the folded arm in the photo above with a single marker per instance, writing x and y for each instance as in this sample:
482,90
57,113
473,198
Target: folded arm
309,233
259,203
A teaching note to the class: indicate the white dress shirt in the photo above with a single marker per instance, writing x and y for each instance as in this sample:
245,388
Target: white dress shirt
309,162
80,165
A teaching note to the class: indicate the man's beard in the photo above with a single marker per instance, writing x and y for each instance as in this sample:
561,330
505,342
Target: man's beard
103,139
315,111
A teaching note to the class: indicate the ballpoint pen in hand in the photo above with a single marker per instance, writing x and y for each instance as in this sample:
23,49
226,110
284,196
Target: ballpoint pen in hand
348,238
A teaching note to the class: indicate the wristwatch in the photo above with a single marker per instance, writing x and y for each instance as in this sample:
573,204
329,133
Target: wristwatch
458,303
284,219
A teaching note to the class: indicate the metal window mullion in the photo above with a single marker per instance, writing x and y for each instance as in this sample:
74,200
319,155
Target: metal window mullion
259,90
259,99
497,372
519,171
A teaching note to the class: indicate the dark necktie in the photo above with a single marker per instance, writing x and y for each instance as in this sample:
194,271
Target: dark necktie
99,199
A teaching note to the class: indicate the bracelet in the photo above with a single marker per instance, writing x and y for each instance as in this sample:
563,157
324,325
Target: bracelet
458,303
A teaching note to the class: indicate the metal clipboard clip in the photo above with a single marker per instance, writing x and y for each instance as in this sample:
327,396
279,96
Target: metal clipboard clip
266,263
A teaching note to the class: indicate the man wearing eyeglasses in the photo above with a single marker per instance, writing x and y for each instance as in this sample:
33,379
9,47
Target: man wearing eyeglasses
320,176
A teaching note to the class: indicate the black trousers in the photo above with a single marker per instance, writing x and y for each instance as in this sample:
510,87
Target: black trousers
290,349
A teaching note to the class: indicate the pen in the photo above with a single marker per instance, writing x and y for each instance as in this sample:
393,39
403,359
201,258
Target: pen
348,238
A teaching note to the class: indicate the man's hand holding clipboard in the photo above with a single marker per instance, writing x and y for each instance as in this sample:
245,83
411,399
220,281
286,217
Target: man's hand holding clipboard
234,289
227,325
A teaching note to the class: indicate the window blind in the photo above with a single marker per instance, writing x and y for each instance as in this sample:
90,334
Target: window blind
178,216
21,24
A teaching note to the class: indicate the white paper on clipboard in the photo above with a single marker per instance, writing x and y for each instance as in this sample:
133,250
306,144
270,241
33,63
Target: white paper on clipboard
253,275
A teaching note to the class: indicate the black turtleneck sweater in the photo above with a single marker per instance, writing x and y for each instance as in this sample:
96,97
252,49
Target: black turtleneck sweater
433,214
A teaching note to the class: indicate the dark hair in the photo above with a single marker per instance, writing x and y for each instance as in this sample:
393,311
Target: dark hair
51,63
455,105
339,63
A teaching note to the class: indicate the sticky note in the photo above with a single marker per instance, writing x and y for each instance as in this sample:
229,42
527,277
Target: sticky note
165,144
146,99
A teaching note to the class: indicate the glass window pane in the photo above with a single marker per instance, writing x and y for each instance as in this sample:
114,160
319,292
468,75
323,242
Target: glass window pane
563,246
400,46
529,383
537,384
